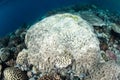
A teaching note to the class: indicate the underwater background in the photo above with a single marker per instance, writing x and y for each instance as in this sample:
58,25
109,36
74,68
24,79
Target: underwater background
59,40
14,13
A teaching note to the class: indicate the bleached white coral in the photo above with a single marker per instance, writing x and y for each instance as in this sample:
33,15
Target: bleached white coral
58,34
22,57
63,60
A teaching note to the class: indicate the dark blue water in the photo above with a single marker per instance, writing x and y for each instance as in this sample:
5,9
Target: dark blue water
13,13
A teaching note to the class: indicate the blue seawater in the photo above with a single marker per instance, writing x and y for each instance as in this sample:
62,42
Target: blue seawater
13,13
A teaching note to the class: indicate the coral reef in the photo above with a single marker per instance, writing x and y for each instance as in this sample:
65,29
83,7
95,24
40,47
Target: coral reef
68,34
64,46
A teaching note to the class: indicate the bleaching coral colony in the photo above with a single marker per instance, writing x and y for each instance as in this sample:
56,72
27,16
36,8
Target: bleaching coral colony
64,40
57,40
